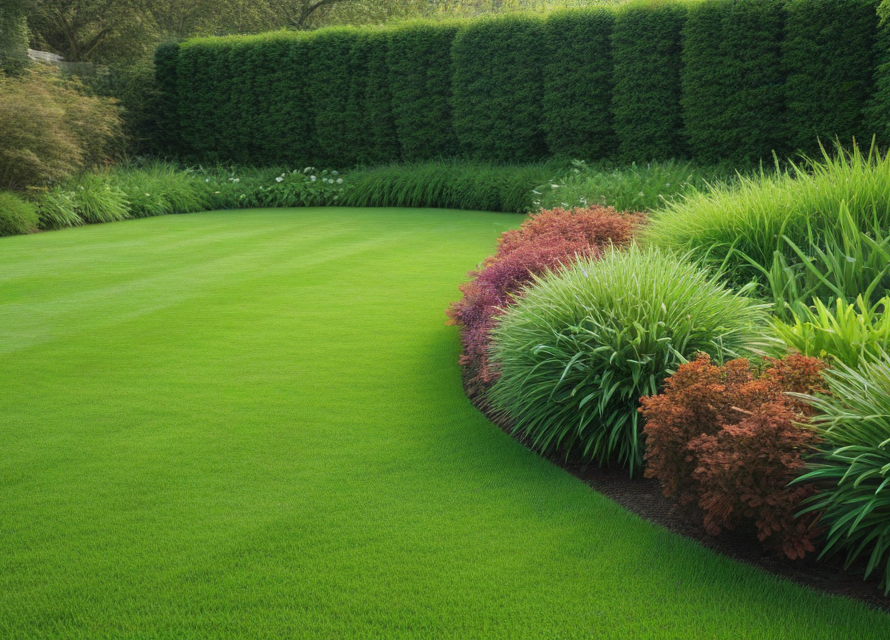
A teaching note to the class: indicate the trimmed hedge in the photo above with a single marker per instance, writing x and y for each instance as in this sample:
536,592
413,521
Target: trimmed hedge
828,54
646,100
498,84
578,84
712,80
732,79
419,60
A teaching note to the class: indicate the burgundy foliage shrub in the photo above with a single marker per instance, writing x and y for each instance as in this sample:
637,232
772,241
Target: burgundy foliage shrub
546,241
727,440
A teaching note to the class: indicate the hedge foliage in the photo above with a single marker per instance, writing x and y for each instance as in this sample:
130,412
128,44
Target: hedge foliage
711,80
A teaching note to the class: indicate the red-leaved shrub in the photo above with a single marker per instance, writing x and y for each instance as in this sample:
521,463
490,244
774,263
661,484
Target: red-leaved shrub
728,440
546,241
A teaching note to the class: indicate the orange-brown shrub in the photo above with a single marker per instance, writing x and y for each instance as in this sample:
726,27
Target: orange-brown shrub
729,440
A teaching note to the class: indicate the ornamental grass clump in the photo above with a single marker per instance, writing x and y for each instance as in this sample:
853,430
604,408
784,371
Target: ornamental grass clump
545,241
728,441
581,346
852,468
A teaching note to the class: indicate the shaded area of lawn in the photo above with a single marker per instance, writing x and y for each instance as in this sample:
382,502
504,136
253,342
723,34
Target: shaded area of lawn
251,424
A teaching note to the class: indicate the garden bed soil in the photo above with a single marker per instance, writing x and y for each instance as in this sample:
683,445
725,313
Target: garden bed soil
643,496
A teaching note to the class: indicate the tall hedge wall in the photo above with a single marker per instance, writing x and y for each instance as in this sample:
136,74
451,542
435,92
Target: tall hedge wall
732,79
498,86
829,58
711,80
646,100
578,84
419,61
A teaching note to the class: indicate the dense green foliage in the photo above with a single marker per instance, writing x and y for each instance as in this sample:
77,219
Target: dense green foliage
733,96
419,60
847,333
498,84
853,469
582,346
252,425
13,37
828,55
578,84
16,215
647,48
815,229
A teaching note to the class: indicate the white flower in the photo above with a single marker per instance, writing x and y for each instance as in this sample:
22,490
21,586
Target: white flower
279,179
207,180
554,186
334,173
147,195
312,178
339,180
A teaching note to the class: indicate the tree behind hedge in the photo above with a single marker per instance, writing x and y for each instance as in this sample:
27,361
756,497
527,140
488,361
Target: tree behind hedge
578,84
829,56
732,80
420,68
646,100
498,66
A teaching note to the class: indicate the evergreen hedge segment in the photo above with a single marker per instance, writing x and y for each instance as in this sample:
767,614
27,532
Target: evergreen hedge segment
732,80
828,54
713,80
498,66
578,84
646,99
419,61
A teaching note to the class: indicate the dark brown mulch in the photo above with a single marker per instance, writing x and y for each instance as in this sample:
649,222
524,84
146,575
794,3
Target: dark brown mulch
643,497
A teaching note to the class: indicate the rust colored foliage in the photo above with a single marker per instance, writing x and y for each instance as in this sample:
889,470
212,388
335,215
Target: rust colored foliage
546,241
727,439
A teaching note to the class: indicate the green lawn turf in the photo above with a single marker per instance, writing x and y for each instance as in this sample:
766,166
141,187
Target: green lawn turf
251,424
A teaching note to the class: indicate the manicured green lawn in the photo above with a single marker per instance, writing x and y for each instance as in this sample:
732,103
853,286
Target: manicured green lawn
251,424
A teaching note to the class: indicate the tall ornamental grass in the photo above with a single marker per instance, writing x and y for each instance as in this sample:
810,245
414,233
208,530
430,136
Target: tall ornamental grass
159,188
580,348
812,219
853,469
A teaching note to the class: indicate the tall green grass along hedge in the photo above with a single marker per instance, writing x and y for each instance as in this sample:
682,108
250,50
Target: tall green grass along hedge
828,56
732,79
646,100
578,84
419,61
498,84
580,347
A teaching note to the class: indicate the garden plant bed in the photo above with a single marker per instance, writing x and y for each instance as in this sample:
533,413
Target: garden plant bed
644,497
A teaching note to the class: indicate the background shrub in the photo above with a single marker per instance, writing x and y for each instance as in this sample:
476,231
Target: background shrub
852,469
57,209
497,84
733,97
582,346
578,83
646,99
16,215
97,201
167,116
726,438
419,61
828,53
13,37
158,188
49,129
544,242
377,108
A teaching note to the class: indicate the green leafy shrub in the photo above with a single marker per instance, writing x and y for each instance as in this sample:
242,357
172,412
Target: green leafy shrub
727,439
849,333
167,135
634,187
16,215
449,184
497,84
581,347
733,96
877,109
49,129
828,52
825,218
377,107
646,100
158,189
98,201
578,83
419,62
57,209
852,469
